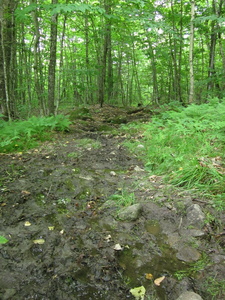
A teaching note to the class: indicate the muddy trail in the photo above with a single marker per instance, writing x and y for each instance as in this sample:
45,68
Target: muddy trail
84,220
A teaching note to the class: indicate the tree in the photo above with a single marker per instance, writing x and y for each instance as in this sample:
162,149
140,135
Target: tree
39,85
7,58
52,106
191,52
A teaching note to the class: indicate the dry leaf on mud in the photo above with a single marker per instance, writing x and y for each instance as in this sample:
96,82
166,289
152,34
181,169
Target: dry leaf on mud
158,281
27,224
117,247
149,276
108,238
39,241
25,193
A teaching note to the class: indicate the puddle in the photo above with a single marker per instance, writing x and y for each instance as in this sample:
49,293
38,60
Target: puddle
153,227
136,262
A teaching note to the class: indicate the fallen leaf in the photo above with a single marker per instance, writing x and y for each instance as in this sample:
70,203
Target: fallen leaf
149,276
51,227
3,240
138,292
25,193
39,241
27,224
117,247
158,281
108,238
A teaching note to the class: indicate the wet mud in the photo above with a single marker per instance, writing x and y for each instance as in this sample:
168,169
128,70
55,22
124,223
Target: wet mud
58,212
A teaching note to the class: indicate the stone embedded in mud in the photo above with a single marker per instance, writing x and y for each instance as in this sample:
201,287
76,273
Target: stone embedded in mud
188,254
189,296
195,216
130,213
196,232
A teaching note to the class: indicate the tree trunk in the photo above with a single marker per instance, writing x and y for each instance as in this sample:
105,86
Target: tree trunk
191,52
38,73
52,64
7,58
212,52
103,59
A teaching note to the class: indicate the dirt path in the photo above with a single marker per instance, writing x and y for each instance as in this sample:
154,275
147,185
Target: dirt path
60,210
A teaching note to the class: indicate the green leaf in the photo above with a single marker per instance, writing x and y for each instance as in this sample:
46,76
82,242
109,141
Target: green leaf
138,292
3,240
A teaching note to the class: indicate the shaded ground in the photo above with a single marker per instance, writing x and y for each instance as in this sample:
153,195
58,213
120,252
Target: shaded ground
62,223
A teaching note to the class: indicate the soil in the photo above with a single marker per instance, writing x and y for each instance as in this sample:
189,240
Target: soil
66,240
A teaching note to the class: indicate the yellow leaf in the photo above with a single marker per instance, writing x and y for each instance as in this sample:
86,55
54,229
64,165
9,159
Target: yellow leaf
27,224
158,281
149,276
25,193
51,227
39,241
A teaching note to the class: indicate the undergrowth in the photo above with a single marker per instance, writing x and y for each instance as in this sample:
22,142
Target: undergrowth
22,135
185,145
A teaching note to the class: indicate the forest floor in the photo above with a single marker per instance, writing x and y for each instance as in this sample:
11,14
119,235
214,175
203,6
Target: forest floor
60,207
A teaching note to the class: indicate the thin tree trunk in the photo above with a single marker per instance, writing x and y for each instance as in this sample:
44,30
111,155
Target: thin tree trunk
191,52
155,95
103,59
38,76
8,58
61,63
52,64
212,52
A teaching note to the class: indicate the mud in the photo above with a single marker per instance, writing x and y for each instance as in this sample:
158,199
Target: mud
61,220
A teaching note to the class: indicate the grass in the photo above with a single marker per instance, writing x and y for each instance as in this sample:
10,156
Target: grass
186,145
124,198
194,268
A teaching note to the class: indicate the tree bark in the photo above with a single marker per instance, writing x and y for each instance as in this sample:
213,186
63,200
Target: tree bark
38,73
52,64
191,54
212,52
7,58
103,59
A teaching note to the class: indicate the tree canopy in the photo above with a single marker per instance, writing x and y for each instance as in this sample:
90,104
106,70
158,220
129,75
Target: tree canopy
57,53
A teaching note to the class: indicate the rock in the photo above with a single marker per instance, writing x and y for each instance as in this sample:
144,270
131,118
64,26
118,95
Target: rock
189,296
138,169
196,232
188,254
140,146
195,216
130,213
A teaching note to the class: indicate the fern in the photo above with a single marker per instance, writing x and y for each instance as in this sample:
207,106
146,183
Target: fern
175,142
20,135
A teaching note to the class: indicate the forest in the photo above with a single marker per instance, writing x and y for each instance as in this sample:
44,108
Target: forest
112,149
62,53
